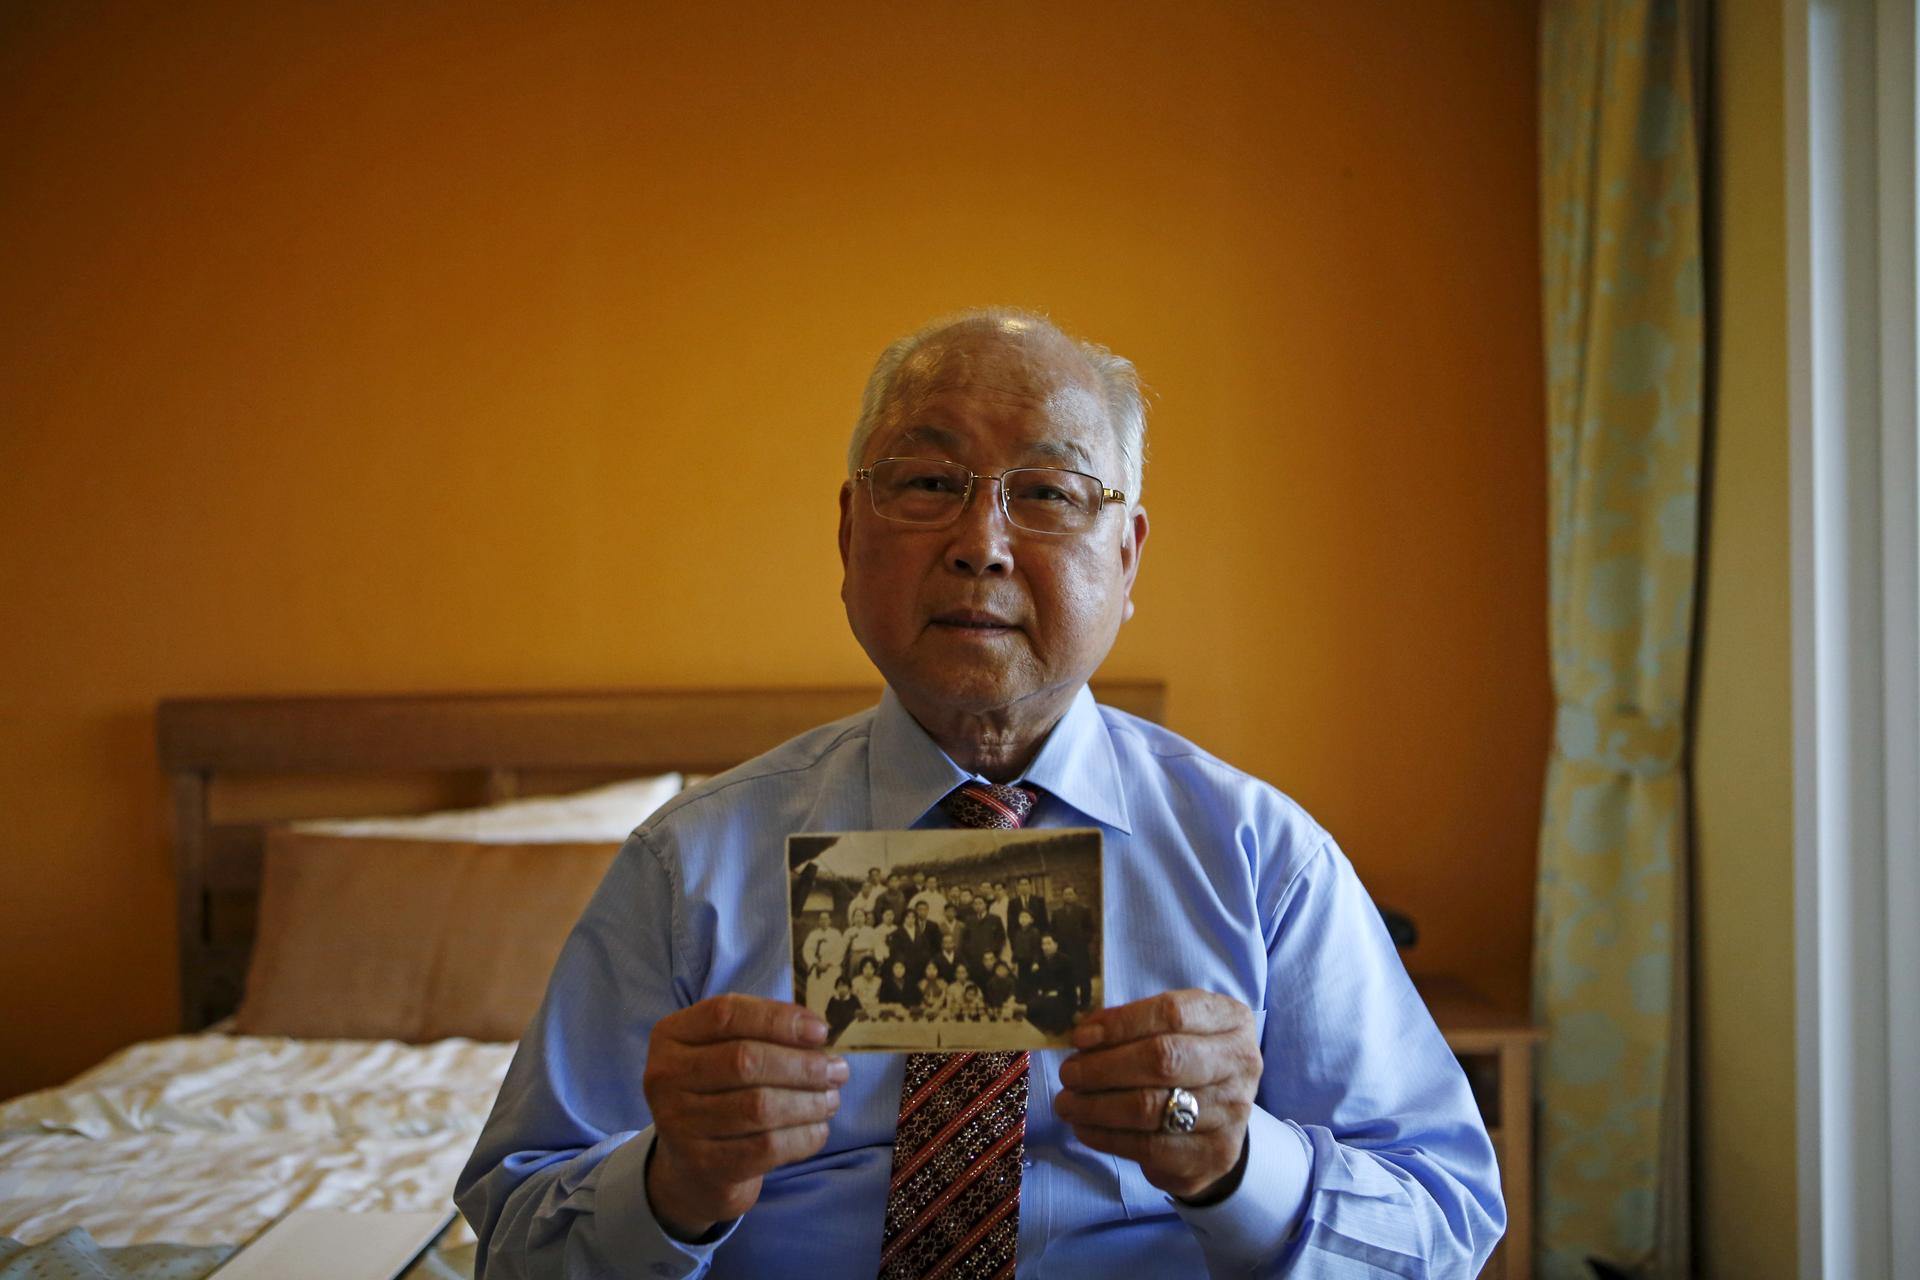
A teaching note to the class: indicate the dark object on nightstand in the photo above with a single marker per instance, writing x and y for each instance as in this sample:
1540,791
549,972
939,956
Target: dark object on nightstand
1400,928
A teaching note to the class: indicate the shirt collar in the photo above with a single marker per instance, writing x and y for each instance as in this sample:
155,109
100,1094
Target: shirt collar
908,774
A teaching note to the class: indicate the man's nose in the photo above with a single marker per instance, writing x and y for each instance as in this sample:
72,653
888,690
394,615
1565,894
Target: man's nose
981,541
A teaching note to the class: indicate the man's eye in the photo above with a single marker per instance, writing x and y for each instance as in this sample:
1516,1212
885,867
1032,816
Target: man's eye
1043,493
932,484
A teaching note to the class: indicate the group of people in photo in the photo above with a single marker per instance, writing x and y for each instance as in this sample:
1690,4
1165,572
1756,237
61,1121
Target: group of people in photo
912,948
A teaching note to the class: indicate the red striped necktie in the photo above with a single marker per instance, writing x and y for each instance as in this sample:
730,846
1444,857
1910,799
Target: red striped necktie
953,1206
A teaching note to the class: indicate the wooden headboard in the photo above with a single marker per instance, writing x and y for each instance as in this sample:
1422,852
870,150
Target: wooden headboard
236,766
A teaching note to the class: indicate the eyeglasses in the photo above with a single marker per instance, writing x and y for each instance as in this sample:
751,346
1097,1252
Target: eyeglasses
930,493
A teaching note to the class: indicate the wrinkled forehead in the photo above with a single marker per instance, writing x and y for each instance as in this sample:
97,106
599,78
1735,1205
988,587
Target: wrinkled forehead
999,368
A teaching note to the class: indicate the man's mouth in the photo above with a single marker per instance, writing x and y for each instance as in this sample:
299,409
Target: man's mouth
972,620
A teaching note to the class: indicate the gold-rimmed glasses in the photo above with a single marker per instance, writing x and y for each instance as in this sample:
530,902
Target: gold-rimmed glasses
929,493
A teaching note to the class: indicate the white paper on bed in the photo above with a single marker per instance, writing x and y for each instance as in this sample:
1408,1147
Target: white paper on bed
326,1244
602,815
207,1139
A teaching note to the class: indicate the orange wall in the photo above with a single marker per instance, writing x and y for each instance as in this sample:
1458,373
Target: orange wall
420,347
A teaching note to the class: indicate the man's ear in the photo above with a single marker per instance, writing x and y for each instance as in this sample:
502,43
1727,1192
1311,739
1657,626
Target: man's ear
1131,545
846,521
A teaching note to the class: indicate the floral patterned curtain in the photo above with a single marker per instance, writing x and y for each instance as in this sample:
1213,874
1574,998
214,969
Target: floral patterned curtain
1620,244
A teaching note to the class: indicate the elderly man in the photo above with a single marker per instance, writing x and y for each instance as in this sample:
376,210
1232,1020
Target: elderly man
1264,1092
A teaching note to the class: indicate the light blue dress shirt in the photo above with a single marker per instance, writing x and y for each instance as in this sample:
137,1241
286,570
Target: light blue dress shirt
1367,1156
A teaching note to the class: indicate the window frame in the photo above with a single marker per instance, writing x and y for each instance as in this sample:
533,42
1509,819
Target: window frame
1852,264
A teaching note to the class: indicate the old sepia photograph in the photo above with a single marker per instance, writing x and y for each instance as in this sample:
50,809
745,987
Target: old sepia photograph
947,939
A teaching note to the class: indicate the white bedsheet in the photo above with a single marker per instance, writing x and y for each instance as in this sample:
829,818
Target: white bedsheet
206,1139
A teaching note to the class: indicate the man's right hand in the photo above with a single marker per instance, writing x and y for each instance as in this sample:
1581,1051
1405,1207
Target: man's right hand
738,1086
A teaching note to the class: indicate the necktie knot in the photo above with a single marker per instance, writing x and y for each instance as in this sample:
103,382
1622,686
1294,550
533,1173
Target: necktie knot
989,805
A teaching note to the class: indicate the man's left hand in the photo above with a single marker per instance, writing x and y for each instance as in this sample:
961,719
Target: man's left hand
1114,1091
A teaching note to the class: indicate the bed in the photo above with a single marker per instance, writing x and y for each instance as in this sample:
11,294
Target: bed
345,867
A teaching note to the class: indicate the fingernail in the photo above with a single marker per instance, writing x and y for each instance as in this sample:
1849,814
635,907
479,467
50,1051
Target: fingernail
1088,1034
833,1099
838,1070
813,1030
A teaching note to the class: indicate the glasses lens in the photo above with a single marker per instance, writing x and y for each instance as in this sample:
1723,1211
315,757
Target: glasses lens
1048,500
918,490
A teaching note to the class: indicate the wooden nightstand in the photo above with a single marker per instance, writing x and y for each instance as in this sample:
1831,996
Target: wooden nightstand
1496,1051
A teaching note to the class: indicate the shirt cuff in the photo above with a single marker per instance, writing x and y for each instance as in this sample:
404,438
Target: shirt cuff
1255,1223
626,1223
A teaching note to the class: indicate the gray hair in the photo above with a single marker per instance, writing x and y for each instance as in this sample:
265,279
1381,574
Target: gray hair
1126,404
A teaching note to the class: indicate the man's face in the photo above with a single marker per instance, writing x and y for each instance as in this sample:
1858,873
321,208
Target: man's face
1047,945
920,912
979,618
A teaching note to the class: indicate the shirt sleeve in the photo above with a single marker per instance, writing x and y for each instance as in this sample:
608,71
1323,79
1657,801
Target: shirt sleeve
555,1186
1367,1155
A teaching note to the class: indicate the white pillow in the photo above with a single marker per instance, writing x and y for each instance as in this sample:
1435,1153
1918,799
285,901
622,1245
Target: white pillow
603,814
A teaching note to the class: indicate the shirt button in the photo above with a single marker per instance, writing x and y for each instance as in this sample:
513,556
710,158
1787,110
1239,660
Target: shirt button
1026,1162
